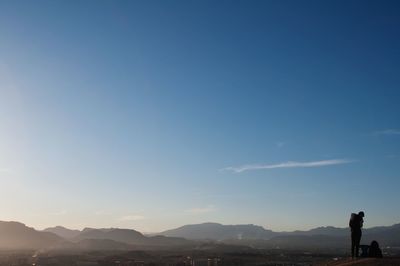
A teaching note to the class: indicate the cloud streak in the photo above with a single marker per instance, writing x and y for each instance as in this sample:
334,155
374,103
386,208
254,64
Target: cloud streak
290,164
387,132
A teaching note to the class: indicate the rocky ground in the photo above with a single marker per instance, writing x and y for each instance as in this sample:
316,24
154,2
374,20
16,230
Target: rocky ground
364,262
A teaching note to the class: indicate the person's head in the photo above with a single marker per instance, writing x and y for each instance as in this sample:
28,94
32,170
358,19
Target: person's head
374,244
361,213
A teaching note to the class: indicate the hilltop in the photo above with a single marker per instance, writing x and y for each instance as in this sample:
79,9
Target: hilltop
364,262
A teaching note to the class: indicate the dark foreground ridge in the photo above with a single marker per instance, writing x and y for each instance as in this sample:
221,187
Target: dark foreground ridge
365,262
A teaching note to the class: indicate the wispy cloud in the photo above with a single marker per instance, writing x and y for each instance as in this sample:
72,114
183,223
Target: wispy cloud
210,208
133,217
290,164
387,132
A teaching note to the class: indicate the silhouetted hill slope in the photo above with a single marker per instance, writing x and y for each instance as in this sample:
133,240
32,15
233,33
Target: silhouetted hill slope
308,241
167,241
215,231
14,235
129,236
62,232
87,229
323,230
101,244
386,236
363,262
121,235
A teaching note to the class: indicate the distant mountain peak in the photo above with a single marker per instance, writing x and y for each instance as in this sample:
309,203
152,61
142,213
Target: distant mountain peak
216,231
16,235
63,231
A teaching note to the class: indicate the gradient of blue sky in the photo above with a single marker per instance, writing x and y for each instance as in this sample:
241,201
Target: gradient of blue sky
130,113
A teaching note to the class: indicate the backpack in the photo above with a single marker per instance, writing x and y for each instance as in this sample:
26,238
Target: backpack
354,221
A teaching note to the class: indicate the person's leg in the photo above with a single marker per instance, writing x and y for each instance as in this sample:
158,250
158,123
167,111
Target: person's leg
357,244
353,244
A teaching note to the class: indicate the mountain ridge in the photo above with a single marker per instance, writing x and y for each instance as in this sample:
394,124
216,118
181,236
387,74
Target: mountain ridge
17,235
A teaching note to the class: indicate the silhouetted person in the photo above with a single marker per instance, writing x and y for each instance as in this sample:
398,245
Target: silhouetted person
356,223
374,250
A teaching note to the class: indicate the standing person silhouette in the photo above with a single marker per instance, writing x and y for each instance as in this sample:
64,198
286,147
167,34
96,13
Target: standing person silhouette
356,223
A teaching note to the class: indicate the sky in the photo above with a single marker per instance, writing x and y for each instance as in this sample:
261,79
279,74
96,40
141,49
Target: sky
154,114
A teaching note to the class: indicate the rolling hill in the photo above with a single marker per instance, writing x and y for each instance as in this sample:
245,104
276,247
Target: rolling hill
62,232
129,236
215,231
15,235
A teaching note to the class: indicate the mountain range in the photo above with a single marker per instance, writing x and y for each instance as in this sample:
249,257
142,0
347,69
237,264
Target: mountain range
15,235
327,236
215,231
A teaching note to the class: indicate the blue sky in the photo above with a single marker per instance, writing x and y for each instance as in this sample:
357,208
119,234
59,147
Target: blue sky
155,114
